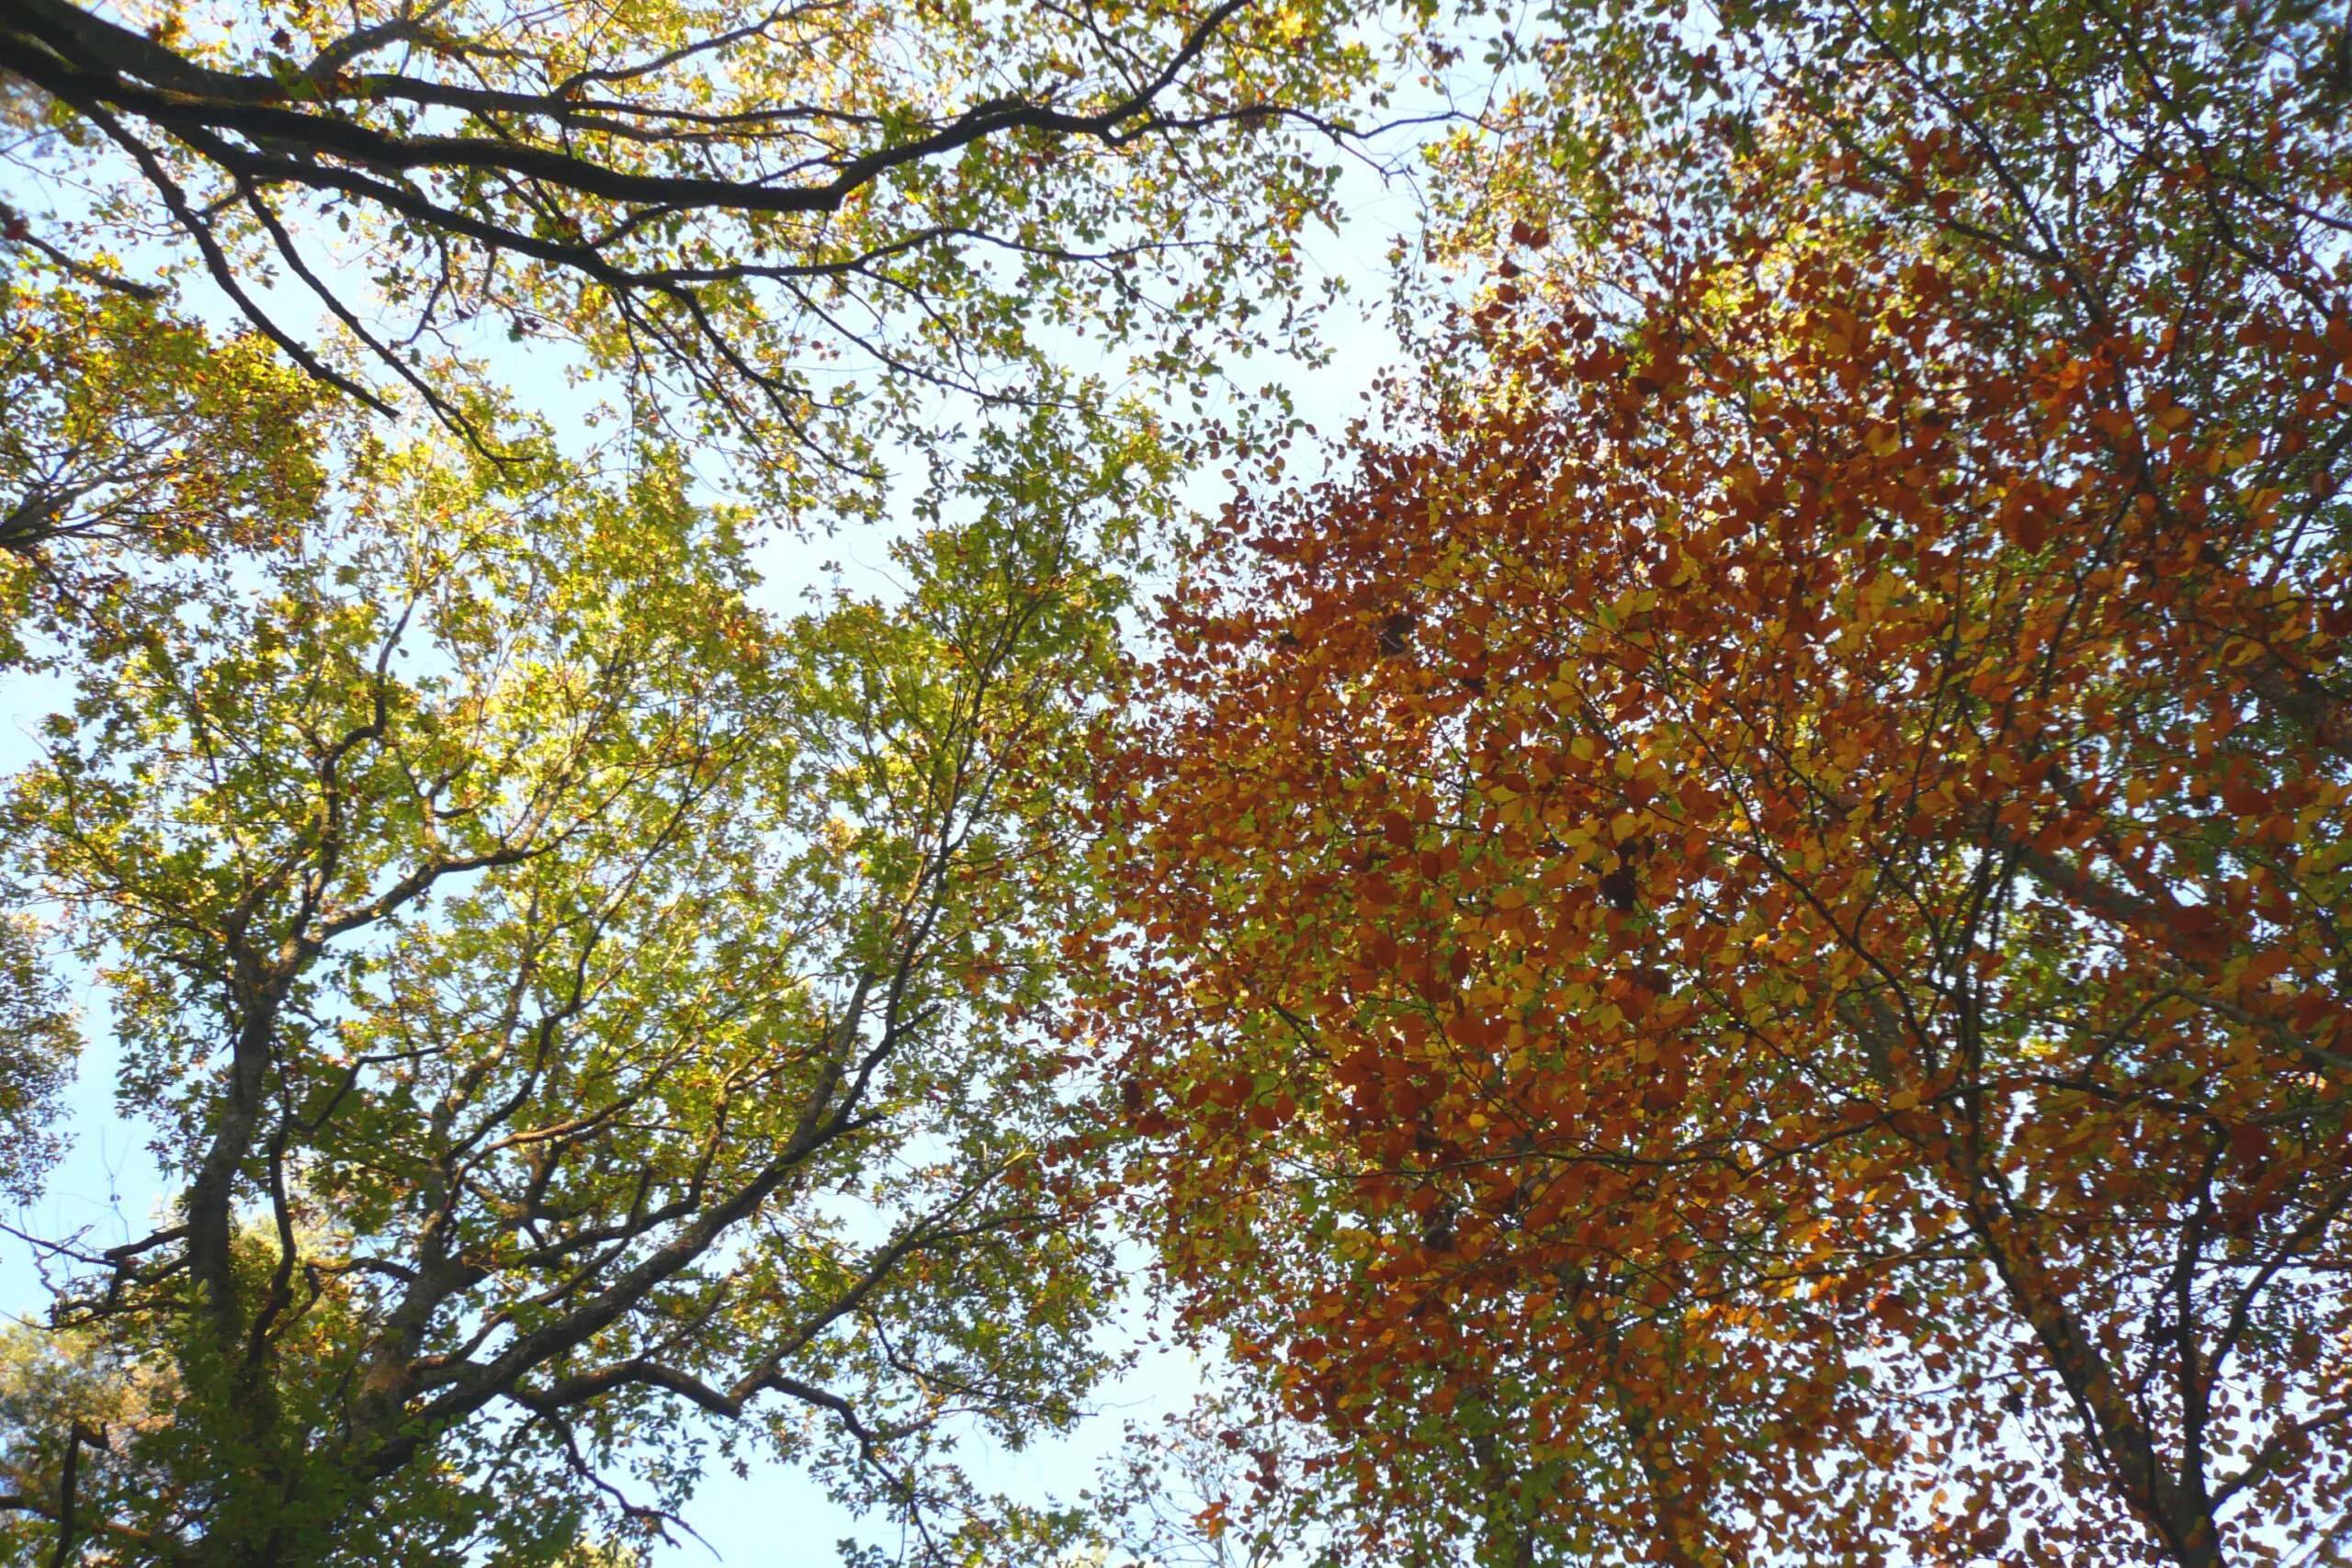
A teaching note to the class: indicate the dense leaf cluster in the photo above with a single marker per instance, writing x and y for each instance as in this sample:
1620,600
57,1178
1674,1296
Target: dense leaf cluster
1736,936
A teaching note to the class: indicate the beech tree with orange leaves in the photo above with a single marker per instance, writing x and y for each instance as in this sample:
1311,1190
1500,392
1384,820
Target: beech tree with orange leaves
1736,936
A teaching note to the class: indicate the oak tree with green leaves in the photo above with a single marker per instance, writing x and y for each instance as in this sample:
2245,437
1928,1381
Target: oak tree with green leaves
790,225
130,439
588,1021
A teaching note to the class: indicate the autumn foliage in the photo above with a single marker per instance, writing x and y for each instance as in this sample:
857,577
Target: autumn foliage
1738,936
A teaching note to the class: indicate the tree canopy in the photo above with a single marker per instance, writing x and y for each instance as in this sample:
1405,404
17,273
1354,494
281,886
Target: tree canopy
1739,930
781,226
1715,937
572,997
